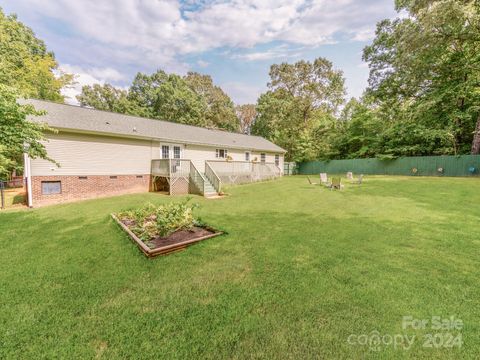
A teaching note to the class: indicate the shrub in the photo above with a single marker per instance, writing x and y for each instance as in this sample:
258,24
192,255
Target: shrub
151,221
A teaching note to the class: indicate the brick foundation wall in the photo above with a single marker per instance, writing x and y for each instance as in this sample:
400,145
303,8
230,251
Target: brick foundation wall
94,186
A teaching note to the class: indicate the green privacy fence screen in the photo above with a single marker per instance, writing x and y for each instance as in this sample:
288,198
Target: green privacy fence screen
464,165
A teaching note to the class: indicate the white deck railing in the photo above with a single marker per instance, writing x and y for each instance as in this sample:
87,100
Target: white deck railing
240,172
216,171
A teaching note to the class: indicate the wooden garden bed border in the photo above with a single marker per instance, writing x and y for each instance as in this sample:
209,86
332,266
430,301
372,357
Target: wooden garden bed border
164,249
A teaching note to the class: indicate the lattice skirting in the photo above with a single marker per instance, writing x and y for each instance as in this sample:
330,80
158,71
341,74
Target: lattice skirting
179,186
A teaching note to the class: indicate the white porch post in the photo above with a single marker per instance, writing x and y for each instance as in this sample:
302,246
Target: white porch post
28,176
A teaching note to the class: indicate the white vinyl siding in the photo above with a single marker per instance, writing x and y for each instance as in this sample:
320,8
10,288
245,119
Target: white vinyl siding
198,154
81,154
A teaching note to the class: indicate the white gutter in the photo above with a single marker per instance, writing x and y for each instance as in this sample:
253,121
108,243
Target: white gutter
28,175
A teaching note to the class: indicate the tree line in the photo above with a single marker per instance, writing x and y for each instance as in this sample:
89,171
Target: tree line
423,94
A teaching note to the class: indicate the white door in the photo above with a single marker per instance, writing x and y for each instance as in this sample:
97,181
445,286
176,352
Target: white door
177,152
165,152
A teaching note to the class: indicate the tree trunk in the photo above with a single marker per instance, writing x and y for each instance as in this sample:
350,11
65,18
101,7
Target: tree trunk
476,138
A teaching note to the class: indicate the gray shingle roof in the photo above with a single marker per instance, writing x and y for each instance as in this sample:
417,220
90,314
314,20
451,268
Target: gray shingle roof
76,118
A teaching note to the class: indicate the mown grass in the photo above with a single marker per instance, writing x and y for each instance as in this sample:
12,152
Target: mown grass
14,198
300,270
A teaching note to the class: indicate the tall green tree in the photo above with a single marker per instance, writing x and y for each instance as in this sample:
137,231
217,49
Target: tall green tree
192,99
220,110
425,77
18,134
25,63
359,131
107,97
144,92
298,110
177,102
246,114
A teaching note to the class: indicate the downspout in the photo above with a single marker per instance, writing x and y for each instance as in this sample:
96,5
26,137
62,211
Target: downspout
28,176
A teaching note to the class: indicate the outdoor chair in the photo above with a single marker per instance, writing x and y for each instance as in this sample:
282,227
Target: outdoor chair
324,179
358,181
310,181
336,184
349,175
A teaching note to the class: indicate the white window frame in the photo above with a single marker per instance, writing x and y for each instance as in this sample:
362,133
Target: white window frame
171,151
217,153
277,159
168,151
263,158
179,151
247,155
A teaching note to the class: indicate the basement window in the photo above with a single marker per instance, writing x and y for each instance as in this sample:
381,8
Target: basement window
82,178
51,187
139,176
221,153
113,177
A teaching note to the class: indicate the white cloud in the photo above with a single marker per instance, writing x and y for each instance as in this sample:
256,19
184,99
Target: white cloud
144,35
364,34
281,51
146,31
84,77
202,63
242,93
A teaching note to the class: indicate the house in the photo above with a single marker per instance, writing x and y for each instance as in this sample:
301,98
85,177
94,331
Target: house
101,153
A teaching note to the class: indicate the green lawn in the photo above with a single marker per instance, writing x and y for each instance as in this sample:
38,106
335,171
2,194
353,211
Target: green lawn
301,269
14,198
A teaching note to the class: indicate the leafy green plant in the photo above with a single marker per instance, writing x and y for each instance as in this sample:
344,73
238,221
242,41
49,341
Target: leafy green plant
150,221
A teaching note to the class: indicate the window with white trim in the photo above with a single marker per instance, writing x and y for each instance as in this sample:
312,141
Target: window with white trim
51,187
165,152
177,152
247,156
263,158
221,153
277,159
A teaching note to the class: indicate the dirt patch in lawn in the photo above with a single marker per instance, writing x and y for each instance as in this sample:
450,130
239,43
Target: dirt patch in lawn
180,236
176,241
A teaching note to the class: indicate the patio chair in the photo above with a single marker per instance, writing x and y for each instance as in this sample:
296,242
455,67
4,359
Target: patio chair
310,181
336,184
359,180
349,175
324,179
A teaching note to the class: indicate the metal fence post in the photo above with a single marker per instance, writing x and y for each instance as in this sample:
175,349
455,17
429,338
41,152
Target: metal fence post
2,187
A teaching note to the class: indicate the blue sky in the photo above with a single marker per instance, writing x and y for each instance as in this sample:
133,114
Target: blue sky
233,41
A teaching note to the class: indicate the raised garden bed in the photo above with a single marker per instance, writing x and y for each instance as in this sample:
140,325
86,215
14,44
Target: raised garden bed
179,240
